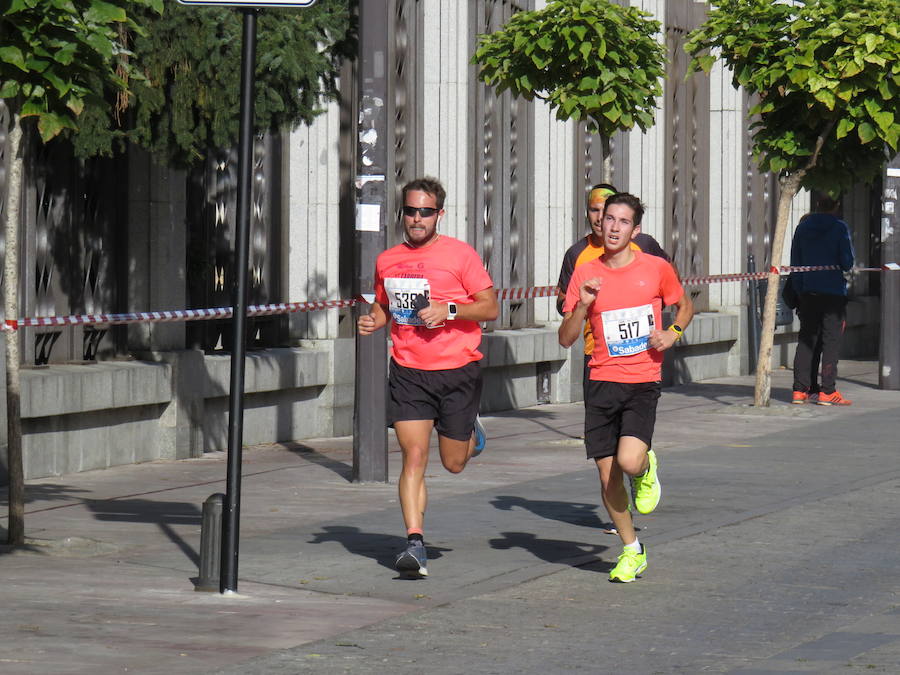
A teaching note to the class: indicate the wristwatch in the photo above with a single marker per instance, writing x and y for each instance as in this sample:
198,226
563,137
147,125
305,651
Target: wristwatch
451,311
678,330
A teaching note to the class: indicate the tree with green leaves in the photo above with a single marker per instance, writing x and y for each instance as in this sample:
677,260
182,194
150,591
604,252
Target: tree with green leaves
827,77
58,58
103,73
187,100
590,60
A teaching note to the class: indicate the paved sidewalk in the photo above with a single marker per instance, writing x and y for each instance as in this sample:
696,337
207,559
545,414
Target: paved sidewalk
776,549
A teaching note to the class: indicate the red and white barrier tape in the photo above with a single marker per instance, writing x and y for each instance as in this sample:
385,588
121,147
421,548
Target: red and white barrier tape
523,293
175,315
290,307
750,276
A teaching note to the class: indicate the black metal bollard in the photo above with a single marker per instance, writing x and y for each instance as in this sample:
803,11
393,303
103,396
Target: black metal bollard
211,544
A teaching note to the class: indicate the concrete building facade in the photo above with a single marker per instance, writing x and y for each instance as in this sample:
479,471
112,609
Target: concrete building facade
516,180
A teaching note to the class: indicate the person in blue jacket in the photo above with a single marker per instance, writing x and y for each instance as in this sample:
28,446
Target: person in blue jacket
821,238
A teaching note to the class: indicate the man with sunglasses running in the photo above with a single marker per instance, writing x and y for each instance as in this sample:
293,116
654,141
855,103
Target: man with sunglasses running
435,290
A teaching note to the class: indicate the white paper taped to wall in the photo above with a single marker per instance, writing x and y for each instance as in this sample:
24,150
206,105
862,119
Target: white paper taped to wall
368,217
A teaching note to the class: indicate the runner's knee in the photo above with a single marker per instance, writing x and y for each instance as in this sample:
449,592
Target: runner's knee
632,465
415,459
453,465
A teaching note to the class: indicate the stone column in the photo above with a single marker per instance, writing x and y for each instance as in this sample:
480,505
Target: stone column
157,245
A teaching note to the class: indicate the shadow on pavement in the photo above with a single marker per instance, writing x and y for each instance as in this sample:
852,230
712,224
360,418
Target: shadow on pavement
342,469
164,515
6,549
574,513
552,550
727,393
533,415
598,566
48,492
859,383
382,548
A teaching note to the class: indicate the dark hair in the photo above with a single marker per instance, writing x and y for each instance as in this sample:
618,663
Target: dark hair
427,184
628,200
824,203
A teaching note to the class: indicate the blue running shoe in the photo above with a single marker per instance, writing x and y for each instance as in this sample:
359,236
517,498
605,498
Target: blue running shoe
480,437
412,561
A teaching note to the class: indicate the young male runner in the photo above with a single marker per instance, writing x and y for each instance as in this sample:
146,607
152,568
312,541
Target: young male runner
435,290
590,248
621,294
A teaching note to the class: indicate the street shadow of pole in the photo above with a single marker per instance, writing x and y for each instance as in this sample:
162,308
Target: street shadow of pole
342,469
165,515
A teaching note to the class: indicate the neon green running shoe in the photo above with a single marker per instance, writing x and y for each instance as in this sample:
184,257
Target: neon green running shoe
630,565
646,488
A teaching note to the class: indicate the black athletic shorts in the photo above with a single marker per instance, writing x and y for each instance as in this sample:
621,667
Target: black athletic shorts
449,397
616,409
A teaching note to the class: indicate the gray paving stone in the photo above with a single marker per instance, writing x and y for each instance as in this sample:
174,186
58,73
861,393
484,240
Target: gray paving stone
775,550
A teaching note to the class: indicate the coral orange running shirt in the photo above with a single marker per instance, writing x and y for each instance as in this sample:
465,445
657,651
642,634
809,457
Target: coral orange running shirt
407,278
628,307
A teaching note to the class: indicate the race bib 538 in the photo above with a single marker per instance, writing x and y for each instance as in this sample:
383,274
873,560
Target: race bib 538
406,297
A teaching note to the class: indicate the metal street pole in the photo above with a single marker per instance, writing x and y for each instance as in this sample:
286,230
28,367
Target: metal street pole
753,323
370,394
889,353
232,507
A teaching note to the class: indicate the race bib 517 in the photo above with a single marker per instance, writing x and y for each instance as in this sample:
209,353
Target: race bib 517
627,331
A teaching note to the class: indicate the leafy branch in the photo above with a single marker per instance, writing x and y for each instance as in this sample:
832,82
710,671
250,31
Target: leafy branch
589,60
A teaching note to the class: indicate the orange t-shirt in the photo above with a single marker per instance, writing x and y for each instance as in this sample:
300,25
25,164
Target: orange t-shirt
449,270
628,306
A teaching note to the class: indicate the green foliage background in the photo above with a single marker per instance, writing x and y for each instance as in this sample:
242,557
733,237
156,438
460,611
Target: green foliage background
188,98
821,68
589,59
59,58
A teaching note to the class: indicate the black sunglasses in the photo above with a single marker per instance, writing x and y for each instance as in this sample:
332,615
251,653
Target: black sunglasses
423,211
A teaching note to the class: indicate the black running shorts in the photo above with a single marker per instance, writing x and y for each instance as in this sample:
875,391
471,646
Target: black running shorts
449,397
616,409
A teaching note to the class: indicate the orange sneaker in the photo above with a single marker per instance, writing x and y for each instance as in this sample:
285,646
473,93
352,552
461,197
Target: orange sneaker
833,399
800,397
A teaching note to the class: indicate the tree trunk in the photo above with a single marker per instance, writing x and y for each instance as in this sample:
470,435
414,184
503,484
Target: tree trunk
763,388
789,187
606,150
16,532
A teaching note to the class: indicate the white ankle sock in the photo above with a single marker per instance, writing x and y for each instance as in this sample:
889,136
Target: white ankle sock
635,546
